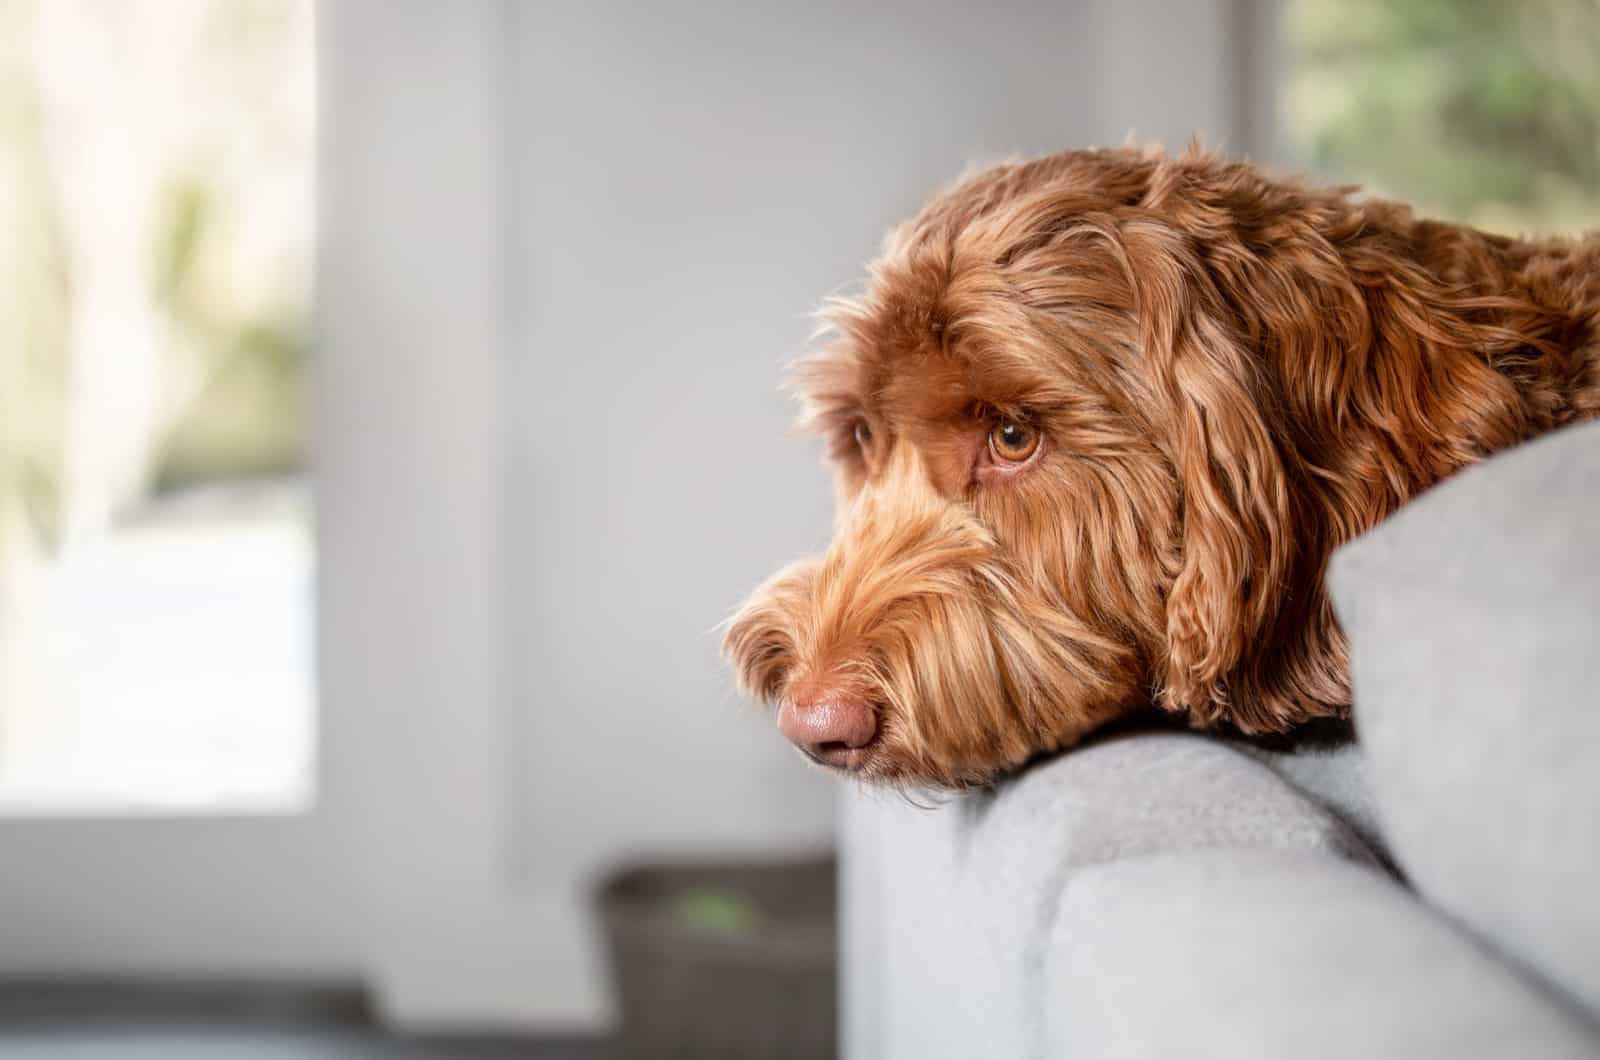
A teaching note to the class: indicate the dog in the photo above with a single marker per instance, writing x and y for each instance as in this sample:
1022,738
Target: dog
1096,424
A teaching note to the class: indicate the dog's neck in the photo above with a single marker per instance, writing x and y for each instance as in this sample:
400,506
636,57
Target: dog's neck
1533,307
1441,345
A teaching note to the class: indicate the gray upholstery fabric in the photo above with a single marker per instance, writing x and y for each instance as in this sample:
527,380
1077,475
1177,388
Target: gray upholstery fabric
1336,777
1035,922
1474,619
955,943
1244,954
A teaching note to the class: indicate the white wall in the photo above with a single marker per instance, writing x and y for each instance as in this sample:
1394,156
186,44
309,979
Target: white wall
686,187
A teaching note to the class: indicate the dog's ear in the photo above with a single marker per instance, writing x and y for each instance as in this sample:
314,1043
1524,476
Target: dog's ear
1215,410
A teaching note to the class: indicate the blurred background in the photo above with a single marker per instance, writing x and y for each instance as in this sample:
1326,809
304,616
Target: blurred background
389,415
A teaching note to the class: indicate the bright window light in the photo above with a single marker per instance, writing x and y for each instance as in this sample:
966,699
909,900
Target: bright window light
155,563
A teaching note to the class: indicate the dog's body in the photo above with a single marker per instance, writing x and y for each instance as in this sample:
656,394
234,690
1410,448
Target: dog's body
1099,421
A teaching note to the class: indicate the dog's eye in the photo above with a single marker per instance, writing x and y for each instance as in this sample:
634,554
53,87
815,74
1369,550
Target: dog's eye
1013,442
863,435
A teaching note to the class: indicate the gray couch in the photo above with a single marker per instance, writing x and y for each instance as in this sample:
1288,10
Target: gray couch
1430,891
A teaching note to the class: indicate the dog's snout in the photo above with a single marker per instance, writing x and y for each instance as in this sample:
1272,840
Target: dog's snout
832,727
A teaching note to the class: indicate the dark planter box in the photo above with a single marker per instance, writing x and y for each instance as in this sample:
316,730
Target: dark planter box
730,959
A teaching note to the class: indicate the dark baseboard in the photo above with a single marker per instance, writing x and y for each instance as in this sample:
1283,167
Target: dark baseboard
96,1017
193,1002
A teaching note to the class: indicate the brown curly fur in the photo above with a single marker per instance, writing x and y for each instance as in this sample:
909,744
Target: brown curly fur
1232,374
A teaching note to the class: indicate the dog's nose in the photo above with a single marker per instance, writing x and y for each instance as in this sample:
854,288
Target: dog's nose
831,727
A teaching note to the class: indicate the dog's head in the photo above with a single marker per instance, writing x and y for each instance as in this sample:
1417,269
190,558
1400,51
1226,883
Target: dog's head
1059,497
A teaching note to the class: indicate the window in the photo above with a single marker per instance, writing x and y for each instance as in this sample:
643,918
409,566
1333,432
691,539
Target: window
155,595
1487,113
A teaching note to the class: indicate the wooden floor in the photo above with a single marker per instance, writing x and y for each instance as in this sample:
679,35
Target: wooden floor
114,1022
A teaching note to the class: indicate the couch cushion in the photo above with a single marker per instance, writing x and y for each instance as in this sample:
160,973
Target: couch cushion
1474,621
1268,954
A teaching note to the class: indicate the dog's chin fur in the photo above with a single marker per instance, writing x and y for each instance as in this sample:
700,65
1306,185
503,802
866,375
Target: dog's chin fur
1231,374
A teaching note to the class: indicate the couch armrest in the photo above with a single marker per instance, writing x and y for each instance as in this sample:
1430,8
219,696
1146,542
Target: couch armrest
1142,897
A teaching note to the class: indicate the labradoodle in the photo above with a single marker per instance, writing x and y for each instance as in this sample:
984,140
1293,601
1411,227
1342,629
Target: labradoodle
1097,423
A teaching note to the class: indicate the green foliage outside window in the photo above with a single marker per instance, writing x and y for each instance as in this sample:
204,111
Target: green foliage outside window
1486,111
